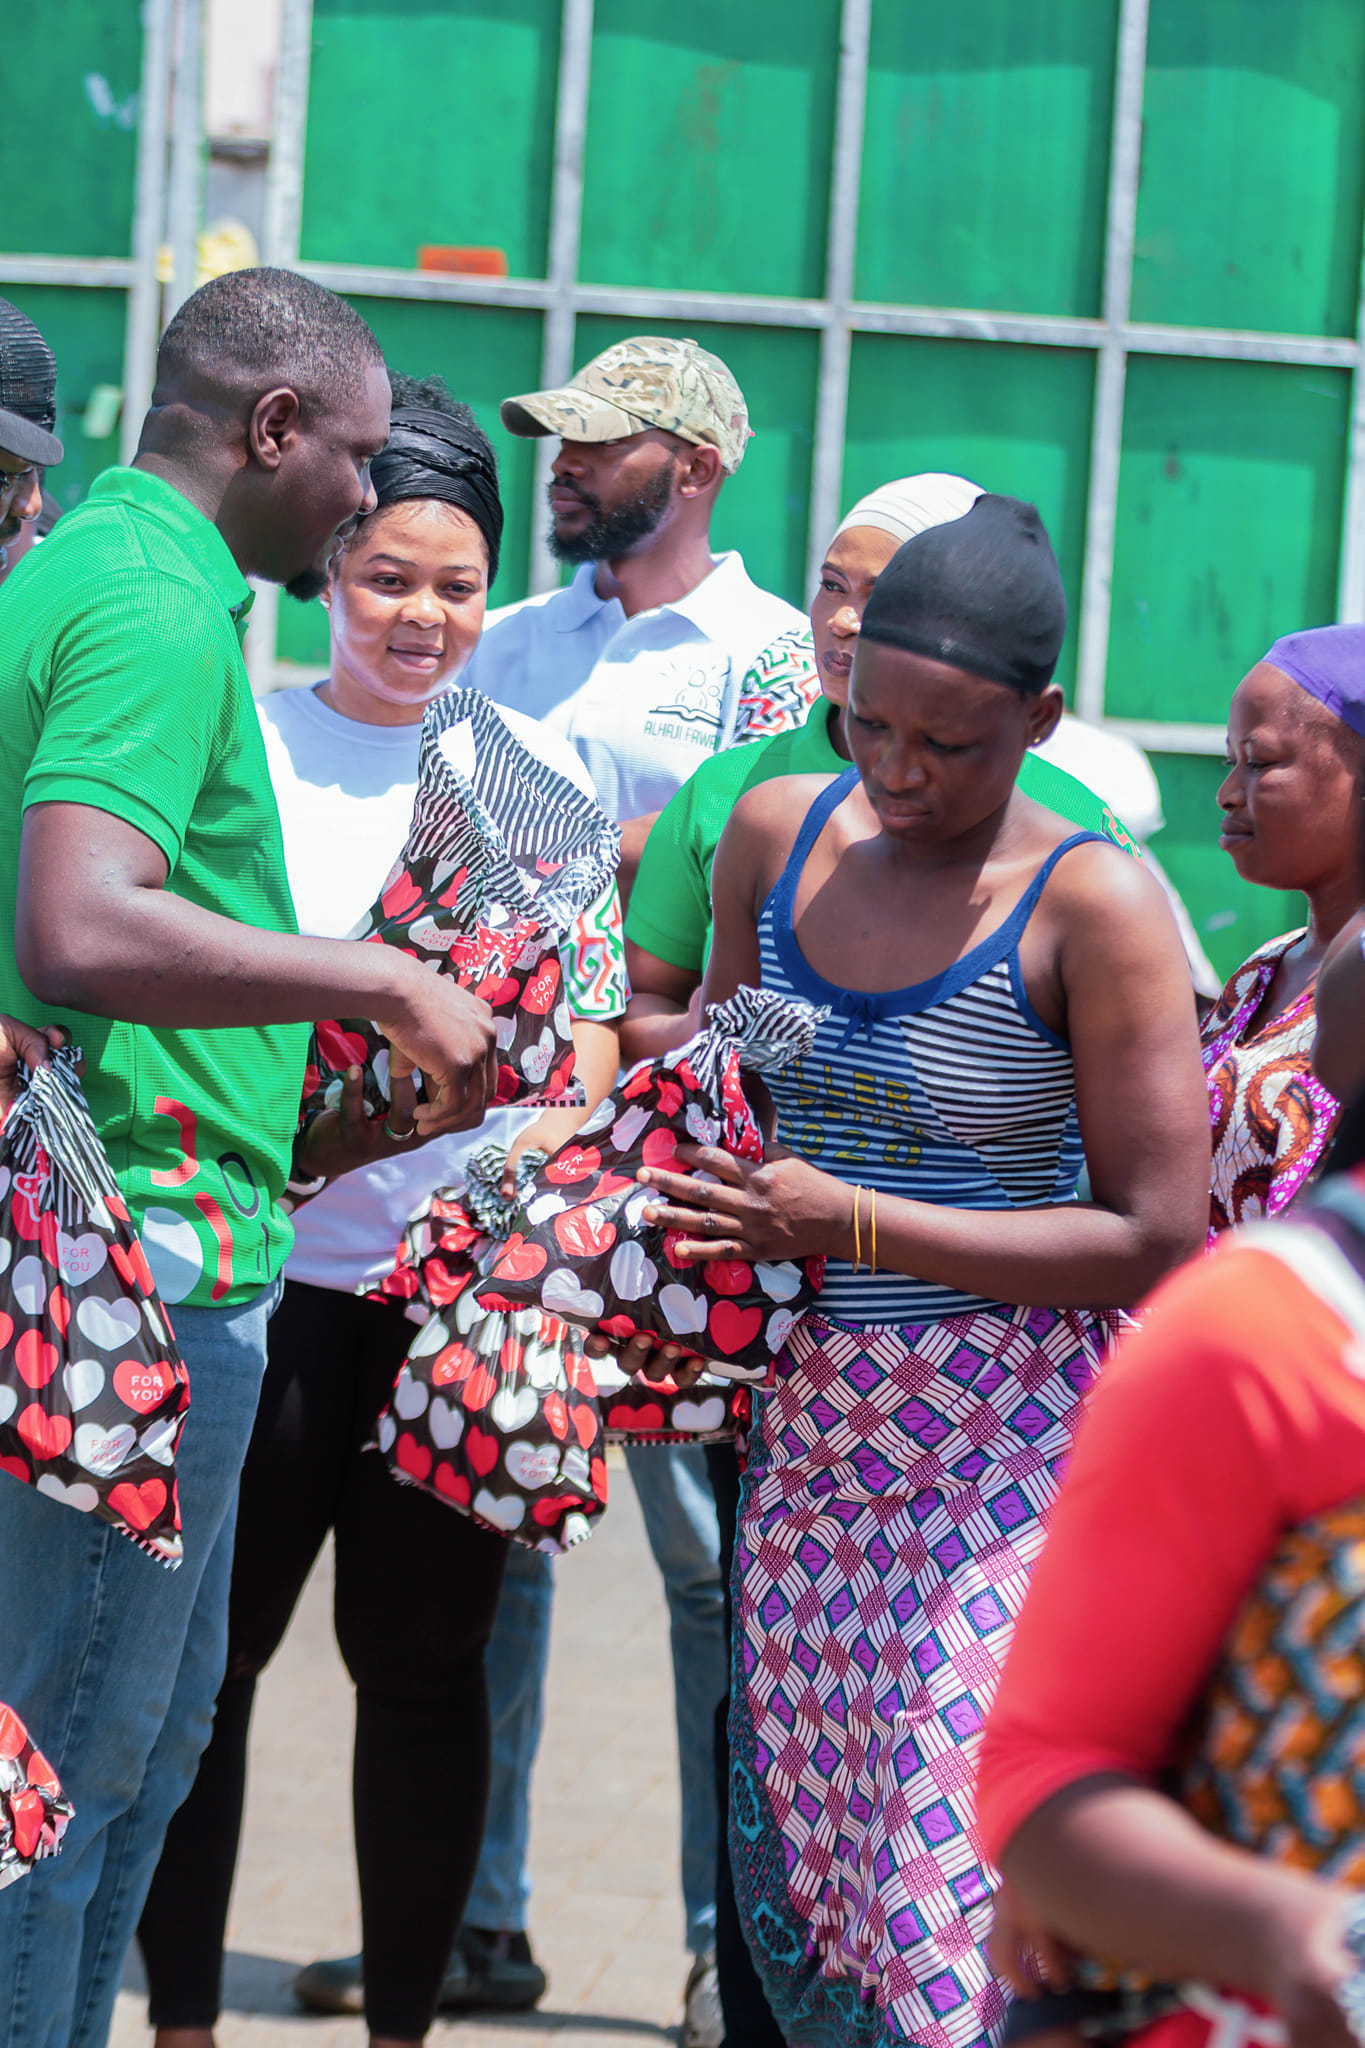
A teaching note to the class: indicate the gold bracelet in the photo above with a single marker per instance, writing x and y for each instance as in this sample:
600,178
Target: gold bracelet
857,1230
872,1196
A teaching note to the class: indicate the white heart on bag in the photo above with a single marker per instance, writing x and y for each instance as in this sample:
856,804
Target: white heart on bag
445,1424
781,1323
429,935
155,1323
564,1295
699,1416
684,1311
409,1395
507,1512
631,1273
779,1282
85,1499
700,1128
159,1440
468,1309
433,1337
29,1285
5,1252
80,1258
542,1368
634,1206
628,1127
504,1032
526,1322
543,1207
387,1432
512,1407
532,1465
576,1469
84,1381
103,1450
572,1530
4,1182
110,1324
535,1061
598,1121
9,1401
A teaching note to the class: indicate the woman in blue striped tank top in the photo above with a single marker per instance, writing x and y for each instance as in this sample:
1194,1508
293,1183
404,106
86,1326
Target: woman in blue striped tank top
1003,997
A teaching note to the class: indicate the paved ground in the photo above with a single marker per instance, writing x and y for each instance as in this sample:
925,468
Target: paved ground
607,1915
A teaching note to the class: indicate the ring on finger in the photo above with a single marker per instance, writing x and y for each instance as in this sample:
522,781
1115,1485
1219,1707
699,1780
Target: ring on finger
399,1137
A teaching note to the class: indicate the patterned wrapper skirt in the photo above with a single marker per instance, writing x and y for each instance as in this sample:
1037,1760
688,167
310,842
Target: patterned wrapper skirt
893,1505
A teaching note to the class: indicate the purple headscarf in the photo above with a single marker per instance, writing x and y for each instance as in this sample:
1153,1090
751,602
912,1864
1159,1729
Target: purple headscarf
1328,662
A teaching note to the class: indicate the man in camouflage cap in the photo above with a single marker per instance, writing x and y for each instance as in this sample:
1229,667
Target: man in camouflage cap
644,662
649,381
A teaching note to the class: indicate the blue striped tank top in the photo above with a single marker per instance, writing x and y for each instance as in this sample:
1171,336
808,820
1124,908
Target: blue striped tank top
952,1091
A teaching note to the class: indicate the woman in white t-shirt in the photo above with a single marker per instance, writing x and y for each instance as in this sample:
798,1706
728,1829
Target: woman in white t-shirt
416,1583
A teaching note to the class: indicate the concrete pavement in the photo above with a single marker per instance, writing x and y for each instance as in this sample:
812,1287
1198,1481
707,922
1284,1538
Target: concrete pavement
606,1918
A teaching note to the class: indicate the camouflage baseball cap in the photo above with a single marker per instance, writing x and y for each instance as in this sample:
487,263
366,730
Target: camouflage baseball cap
649,381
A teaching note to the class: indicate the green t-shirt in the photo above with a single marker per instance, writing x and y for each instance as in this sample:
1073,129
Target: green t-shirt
122,686
670,903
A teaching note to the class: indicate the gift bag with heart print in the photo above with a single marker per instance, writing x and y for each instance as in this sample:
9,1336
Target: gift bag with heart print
641,1411
502,855
34,1811
582,1250
493,1411
93,1392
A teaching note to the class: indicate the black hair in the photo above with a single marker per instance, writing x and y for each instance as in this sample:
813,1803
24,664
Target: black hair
437,449
264,327
982,593
1348,1142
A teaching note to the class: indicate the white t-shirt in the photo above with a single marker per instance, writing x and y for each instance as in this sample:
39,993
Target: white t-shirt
345,793
642,700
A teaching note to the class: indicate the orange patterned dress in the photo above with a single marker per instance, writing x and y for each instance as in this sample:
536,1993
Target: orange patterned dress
1272,1120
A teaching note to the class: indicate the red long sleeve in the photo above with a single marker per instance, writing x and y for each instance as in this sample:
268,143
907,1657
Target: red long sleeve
1232,1414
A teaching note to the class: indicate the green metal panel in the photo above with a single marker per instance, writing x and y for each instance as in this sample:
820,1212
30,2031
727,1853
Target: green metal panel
73,82
484,353
1230,496
986,154
84,330
709,139
1013,419
1232,917
764,508
1253,165
430,121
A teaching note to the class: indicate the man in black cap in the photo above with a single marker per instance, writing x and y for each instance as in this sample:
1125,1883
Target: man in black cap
28,415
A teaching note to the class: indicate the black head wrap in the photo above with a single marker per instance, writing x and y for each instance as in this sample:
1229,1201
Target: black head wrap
445,455
982,593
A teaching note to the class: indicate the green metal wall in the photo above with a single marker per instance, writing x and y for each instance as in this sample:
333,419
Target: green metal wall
68,146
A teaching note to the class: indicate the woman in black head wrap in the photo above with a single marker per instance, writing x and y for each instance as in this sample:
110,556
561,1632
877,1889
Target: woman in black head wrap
416,1583
1004,996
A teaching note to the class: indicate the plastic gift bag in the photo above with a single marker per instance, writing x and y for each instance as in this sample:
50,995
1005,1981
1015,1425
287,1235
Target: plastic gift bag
502,855
581,1249
33,1809
493,1411
712,1410
93,1392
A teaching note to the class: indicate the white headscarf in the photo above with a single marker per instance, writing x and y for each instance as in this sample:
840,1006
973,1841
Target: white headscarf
912,504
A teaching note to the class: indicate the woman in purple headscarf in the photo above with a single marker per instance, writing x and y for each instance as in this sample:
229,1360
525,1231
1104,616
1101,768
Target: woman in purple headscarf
1292,819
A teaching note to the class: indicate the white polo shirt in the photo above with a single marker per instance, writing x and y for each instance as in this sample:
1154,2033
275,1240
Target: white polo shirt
642,700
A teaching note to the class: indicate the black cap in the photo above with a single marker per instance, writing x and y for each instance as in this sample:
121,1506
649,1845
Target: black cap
982,593
28,390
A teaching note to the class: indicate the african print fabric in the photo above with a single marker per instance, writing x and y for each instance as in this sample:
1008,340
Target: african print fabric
892,1508
778,688
1272,1121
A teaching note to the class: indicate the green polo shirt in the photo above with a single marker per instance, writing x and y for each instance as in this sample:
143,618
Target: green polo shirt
122,686
670,903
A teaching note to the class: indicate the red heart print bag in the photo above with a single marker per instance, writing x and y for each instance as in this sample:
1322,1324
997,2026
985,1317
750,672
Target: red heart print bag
494,1412
502,855
33,1809
93,1391
581,1249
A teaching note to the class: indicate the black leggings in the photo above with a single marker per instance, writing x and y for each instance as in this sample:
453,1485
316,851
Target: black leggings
416,1592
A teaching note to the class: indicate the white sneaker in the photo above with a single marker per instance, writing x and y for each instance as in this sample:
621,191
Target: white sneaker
703,2023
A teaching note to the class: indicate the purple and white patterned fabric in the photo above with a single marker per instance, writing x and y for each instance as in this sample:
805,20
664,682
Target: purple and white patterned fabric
892,1509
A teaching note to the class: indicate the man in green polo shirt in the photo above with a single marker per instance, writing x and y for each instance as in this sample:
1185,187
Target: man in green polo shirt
143,881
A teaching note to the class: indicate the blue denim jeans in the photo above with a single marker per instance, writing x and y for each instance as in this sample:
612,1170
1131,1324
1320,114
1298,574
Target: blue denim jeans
679,1512
115,1663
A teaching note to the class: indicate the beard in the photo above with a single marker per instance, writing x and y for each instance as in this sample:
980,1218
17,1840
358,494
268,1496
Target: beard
307,585
611,534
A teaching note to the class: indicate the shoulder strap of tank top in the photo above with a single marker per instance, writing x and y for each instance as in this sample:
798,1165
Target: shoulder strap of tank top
1012,930
813,824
